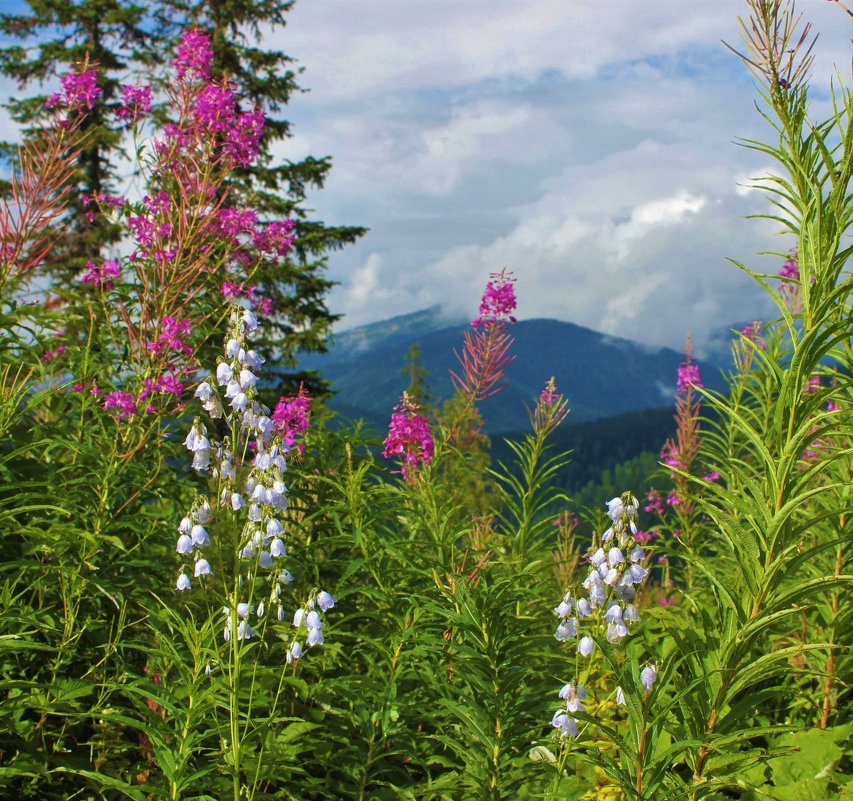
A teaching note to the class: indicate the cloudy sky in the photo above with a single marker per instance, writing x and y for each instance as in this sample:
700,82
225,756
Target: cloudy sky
589,147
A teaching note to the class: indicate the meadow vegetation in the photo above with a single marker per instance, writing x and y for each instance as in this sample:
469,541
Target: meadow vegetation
209,592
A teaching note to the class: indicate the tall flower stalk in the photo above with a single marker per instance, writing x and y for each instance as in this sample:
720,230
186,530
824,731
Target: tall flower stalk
232,542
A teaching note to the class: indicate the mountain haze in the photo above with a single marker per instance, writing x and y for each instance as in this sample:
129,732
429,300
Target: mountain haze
601,375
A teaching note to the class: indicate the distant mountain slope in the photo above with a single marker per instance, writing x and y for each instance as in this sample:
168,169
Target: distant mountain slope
601,375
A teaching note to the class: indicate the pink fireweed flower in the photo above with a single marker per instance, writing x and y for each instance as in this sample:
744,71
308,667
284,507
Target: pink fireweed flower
688,376
243,140
171,337
712,476
790,269
215,108
123,402
654,502
79,90
812,385
752,332
230,290
550,410
498,303
195,55
275,238
99,275
135,102
409,436
291,417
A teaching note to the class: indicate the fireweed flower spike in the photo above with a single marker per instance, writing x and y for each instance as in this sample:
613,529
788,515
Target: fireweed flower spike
409,436
616,571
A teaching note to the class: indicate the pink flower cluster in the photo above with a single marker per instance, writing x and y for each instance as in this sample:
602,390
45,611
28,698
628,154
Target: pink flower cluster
291,417
195,55
99,275
123,402
752,332
135,102
79,90
171,337
498,303
688,375
790,269
409,436
260,304
152,228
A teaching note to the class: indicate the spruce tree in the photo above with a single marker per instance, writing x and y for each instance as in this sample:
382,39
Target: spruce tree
127,39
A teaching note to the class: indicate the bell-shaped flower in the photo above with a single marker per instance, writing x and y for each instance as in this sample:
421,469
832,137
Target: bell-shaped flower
199,535
244,630
274,527
185,526
294,652
315,637
312,620
615,557
648,675
564,608
203,391
632,614
598,557
202,511
597,595
325,600
232,348
247,379
637,573
620,696
584,607
298,617
223,373
239,401
265,559
202,568
237,501
586,646
243,609
183,582
615,509
566,630
250,320
613,613
277,547
201,461
251,359
616,631
185,544
567,726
